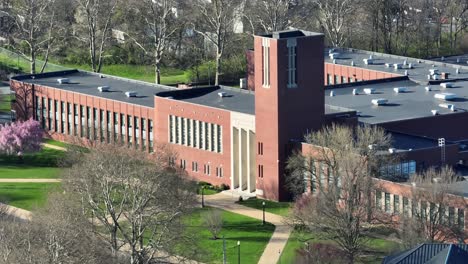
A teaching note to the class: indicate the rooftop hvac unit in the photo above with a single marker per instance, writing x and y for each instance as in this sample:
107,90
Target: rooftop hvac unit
332,93
388,65
63,80
369,90
448,106
371,57
435,112
397,66
445,96
334,55
330,51
222,94
334,61
434,71
131,94
436,77
379,101
355,91
457,71
399,89
103,88
352,63
405,62
391,150
406,72
428,88
447,85
410,66
368,61
458,60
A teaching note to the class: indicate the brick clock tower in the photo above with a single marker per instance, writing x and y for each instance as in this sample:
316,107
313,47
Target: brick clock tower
289,101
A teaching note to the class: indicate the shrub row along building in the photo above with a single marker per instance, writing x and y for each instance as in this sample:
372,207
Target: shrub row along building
243,138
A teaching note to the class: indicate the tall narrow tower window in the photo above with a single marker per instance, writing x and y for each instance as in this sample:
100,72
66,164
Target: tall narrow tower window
266,62
292,73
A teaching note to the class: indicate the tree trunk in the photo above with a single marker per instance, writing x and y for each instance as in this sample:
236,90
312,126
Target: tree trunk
33,61
218,67
157,71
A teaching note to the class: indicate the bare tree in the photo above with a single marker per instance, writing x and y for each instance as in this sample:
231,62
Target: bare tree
216,25
273,15
431,221
94,18
134,198
213,220
152,26
338,172
58,234
334,17
35,23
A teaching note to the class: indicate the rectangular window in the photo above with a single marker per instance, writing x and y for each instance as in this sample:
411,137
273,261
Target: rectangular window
322,175
123,129
260,148
219,172
335,80
461,219
212,137
136,124
177,129
387,202
129,130
150,127
189,132
219,138
56,116
64,117
143,134
83,121
109,126
76,120
292,73
89,123
195,134
182,164
171,129
116,127
329,79
260,171
396,204
182,130
194,166
207,136
378,199
424,210
207,169
451,216
266,62
405,206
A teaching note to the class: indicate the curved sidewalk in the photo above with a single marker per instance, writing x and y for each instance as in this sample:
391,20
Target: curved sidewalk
278,240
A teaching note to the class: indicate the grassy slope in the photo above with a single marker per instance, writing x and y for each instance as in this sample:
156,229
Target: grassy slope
377,248
5,103
27,172
279,208
250,232
25,195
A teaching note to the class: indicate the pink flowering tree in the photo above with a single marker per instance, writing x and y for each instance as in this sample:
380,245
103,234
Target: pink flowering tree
20,137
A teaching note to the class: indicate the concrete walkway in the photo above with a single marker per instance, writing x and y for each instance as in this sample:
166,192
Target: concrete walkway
30,180
53,147
278,240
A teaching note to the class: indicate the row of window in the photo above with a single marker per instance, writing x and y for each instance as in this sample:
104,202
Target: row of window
291,67
425,210
206,167
319,176
336,79
195,133
93,123
402,170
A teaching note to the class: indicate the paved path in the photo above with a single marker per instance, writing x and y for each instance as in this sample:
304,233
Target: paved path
30,180
280,236
17,212
53,147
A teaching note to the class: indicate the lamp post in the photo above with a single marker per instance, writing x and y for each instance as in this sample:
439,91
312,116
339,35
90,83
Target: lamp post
263,206
203,196
238,252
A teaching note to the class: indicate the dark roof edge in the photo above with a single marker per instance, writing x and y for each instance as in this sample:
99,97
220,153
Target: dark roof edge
378,81
43,75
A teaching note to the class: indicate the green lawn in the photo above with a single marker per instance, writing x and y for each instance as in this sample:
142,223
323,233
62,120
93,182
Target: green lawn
27,172
25,195
279,208
377,248
5,103
139,72
41,165
252,235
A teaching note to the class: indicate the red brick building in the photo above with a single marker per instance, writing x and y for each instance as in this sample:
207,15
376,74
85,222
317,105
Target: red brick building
243,138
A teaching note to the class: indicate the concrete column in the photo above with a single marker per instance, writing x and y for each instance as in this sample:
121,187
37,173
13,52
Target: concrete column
241,150
247,165
252,166
234,158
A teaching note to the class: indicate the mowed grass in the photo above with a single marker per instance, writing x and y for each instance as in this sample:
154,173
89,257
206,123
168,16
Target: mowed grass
56,143
5,103
139,72
252,235
26,195
40,165
279,208
377,248
27,172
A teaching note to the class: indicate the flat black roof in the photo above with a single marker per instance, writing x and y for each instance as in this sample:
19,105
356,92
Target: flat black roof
293,33
87,83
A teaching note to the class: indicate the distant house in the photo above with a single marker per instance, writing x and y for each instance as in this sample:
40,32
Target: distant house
431,253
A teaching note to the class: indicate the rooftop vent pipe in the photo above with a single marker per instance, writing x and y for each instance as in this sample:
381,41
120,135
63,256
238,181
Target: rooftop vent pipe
63,80
131,94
